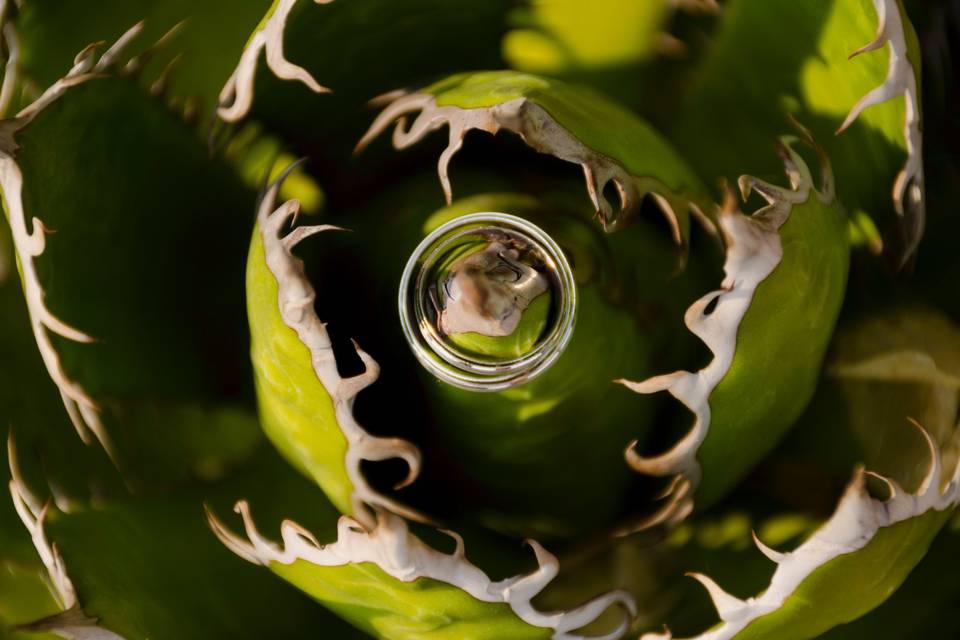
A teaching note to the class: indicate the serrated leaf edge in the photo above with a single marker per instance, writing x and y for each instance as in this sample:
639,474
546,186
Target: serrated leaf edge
753,252
391,546
71,622
30,241
908,195
295,300
856,521
541,132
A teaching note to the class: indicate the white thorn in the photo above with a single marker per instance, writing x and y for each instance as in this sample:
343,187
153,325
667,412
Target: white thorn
727,605
931,479
117,49
459,550
593,189
454,145
300,234
667,209
350,387
408,103
772,554
11,73
229,539
529,585
879,94
299,530
83,61
18,485
892,486
881,37
870,46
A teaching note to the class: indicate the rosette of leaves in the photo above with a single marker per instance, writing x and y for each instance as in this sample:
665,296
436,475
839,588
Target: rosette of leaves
739,187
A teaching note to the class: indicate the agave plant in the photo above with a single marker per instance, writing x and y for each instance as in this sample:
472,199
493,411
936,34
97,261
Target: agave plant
669,318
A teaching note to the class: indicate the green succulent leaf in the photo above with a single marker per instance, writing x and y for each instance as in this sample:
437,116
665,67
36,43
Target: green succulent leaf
139,564
149,568
321,39
786,269
917,607
387,581
31,411
574,124
296,410
134,320
24,592
855,560
197,56
387,608
305,404
760,69
837,592
851,564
